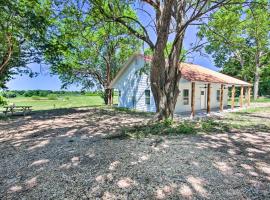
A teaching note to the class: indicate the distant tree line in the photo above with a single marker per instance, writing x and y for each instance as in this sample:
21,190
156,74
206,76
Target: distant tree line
45,93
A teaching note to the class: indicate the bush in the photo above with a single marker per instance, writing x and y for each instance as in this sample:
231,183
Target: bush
35,97
9,95
209,125
168,122
28,93
162,128
3,102
52,97
186,128
44,93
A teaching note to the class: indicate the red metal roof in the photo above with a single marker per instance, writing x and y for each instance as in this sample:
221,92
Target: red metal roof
198,73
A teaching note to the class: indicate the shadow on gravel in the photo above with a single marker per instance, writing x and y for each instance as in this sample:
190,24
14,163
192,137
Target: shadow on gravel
62,154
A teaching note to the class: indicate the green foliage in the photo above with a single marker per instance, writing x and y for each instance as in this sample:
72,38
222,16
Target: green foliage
92,94
208,125
3,102
168,122
82,48
22,36
9,94
186,128
148,52
52,97
239,41
159,128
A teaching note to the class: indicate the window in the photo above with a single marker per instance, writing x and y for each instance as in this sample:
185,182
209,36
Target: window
147,97
218,95
186,97
134,101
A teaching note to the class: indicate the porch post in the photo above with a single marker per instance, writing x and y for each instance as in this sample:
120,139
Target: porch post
221,98
241,96
233,95
208,97
192,99
249,91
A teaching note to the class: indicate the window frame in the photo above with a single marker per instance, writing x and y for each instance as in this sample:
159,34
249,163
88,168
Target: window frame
147,97
218,93
186,98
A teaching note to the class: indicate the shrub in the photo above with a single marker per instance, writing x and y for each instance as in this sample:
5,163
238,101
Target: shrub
28,93
159,129
9,95
209,125
35,97
44,93
168,122
3,102
52,97
186,128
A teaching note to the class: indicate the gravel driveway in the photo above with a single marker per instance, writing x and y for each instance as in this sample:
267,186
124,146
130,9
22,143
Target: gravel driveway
62,155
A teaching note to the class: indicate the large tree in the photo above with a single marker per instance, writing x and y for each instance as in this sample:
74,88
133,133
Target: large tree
239,40
169,22
87,51
23,26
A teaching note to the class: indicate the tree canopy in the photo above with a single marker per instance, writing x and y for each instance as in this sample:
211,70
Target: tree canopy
239,40
23,26
87,51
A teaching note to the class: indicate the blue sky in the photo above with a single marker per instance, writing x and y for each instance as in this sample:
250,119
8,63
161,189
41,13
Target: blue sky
47,81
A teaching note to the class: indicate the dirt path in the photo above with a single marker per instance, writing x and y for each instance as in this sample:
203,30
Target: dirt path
62,154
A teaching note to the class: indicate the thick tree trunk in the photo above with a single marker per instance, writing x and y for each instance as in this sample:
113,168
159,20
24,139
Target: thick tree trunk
165,74
108,91
108,96
165,77
256,83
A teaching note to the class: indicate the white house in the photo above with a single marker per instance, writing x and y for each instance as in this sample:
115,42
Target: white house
196,83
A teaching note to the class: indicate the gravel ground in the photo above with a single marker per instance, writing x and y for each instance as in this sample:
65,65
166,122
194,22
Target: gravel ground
63,155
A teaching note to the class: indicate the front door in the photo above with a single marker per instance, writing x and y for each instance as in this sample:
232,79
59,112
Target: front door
203,99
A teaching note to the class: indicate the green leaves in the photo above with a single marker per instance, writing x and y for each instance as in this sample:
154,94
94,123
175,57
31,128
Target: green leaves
238,38
83,45
23,26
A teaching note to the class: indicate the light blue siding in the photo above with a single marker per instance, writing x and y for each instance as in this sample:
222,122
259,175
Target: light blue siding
132,85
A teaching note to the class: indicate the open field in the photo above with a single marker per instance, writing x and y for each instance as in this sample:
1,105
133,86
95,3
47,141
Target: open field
66,153
70,101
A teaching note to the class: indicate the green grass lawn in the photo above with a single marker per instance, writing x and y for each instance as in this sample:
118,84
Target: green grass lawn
61,102
259,100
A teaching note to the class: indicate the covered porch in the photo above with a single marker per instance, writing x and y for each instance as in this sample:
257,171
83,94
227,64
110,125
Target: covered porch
197,75
243,99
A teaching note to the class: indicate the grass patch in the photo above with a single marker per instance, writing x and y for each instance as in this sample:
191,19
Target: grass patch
210,126
158,128
72,101
35,97
52,97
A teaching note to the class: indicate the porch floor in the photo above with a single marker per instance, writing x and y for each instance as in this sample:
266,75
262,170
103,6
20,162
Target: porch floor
202,113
